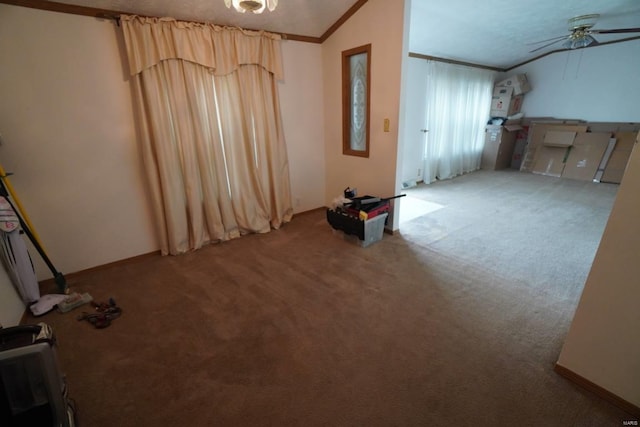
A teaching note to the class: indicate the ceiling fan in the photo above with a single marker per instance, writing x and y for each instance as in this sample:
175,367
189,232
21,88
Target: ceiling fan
581,34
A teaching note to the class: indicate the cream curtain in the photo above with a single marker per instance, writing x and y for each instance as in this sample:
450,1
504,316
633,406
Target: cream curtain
211,130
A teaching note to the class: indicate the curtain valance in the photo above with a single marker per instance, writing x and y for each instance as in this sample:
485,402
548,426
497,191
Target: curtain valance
222,49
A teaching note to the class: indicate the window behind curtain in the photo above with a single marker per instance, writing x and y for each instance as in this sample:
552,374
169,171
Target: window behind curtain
458,106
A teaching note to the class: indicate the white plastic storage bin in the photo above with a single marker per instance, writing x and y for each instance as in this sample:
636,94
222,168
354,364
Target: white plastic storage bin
373,231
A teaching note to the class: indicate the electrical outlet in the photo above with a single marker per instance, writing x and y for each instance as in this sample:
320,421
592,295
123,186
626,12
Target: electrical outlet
419,171
297,201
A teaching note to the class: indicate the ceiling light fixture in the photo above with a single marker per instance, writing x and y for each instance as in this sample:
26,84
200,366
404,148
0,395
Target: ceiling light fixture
580,31
255,6
582,22
578,40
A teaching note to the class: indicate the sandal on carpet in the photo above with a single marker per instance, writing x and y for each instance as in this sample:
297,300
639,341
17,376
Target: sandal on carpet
105,314
99,321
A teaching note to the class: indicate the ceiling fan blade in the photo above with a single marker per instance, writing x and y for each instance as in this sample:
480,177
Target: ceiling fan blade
546,45
616,31
548,40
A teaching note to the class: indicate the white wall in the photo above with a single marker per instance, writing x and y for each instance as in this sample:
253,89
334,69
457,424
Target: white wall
303,121
602,345
66,119
595,84
379,22
69,136
415,101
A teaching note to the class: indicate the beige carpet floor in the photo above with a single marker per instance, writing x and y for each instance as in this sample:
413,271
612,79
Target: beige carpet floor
298,327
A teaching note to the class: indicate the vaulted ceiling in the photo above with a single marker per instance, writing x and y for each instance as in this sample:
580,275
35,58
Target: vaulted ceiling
496,33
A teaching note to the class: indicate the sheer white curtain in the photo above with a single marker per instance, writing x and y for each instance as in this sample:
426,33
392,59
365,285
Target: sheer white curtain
458,106
210,129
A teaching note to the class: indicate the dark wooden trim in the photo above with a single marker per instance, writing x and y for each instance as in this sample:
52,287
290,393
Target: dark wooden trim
597,390
453,61
564,50
504,70
348,14
346,101
66,8
534,59
50,282
299,38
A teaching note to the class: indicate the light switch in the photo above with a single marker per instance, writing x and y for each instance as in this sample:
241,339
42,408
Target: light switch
386,125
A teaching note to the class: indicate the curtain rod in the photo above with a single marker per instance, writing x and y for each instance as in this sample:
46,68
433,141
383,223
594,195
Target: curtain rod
115,17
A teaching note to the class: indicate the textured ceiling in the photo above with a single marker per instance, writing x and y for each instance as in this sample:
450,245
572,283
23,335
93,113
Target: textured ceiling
491,32
496,32
301,17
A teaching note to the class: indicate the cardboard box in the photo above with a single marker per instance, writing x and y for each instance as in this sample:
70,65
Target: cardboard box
551,120
498,147
518,153
617,161
550,161
513,125
535,139
585,155
520,147
519,83
602,126
554,151
613,127
628,127
558,138
503,103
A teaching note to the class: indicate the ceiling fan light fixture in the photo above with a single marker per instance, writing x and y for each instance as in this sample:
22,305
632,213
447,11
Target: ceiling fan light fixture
584,42
582,22
578,42
580,34
254,6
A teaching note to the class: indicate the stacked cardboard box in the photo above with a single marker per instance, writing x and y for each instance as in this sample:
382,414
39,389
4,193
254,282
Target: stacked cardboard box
583,151
508,96
500,139
585,155
519,147
499,142
536,128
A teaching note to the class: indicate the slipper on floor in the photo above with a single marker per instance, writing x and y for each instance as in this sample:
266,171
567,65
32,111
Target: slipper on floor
105,314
